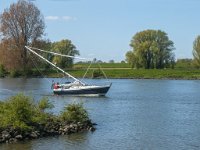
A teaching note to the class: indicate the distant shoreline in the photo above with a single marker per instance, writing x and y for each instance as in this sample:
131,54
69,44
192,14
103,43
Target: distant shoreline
163,74
117,73
138,78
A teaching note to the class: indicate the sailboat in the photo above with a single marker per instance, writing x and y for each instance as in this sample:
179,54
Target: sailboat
76,87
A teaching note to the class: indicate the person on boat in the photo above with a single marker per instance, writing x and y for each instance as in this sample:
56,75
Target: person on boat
53,84
56,85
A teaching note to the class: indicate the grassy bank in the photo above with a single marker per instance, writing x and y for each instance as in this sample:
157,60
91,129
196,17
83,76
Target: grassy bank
123,70
112,70
103,65
137,73
155,74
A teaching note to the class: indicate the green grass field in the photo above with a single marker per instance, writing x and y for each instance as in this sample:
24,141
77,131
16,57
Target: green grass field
137,73
123,70
103,65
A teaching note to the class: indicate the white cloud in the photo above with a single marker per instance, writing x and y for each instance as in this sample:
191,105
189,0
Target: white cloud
65,18
68,18
51,17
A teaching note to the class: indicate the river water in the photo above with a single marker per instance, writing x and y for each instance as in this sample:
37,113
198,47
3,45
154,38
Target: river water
135,114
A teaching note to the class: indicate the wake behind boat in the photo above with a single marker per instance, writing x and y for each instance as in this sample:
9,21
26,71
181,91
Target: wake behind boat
76,87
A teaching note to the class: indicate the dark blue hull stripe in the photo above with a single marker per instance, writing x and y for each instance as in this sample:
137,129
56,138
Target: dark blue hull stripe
99,90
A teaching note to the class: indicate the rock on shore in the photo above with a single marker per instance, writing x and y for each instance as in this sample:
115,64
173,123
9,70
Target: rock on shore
11,135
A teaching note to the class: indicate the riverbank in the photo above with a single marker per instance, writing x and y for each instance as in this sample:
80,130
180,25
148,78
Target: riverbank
51,128
23,119
185,74
114,73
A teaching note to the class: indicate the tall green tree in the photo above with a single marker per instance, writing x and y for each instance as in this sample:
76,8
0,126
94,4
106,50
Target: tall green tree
151,49
21,23
196,51
64,47
132,59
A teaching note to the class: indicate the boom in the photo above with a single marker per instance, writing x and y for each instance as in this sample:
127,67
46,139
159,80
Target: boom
50,52
28,48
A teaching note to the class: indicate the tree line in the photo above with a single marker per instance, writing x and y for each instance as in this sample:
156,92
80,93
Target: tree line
22,24
153,49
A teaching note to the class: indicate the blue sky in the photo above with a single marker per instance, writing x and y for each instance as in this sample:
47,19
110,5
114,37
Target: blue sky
103,29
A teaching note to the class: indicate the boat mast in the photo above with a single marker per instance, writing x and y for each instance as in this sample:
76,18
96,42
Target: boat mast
28,48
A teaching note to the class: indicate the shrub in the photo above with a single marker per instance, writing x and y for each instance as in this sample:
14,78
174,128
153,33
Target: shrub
18,112
97,73
2,71
74,113
15,73
31,72
44,104
21,112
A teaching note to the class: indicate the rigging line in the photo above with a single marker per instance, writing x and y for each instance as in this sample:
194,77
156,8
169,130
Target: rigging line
102,71
42,73
87,70
38,69
63,76
52,64
63,55
35,65
69,75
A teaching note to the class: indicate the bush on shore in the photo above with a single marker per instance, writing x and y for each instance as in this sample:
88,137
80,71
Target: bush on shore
97,74
21,112
2,71
15,73
22,118
74,113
